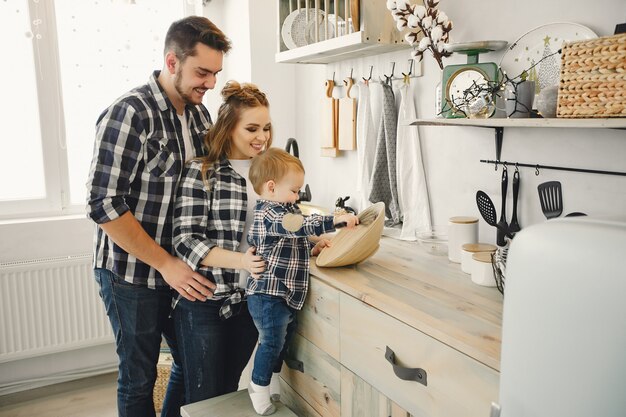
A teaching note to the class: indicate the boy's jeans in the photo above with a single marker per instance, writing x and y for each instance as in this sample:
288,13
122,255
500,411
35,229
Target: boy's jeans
276,323
139,316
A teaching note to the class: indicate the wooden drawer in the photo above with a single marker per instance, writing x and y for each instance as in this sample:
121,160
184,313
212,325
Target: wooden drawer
457,385
317,382
318,321
360,399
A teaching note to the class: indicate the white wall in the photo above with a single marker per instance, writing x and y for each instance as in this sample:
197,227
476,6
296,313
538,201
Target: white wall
452,154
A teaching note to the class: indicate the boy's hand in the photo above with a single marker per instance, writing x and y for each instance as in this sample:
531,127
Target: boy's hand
350,220
321,244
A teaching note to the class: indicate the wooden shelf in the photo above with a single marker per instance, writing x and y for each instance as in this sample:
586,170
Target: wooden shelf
614,123
350,46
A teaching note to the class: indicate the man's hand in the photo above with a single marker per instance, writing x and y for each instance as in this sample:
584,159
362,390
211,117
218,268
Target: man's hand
191,285
321,244
252,263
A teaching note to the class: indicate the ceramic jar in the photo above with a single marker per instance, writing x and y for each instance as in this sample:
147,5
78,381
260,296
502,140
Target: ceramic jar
468,250
461,230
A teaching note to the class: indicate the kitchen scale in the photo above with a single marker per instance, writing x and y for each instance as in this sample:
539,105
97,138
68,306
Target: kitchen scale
464,86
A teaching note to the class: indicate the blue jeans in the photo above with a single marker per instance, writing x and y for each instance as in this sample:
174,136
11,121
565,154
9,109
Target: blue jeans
214,352
140,317
276,323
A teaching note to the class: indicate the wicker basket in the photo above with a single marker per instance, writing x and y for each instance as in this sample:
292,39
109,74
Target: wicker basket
593,78
163,376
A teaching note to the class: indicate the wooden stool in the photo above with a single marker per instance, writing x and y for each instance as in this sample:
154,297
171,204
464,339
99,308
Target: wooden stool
235,404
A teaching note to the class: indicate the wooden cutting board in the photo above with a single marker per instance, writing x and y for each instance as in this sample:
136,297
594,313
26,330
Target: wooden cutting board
347,119
329,117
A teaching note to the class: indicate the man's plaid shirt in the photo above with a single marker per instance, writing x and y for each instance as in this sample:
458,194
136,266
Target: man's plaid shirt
138,159
286,253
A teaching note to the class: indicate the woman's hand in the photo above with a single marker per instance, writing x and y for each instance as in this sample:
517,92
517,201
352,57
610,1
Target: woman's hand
252,263
321,244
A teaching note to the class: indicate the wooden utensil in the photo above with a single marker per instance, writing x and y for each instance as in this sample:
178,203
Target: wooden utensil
347,119
355,13
329,117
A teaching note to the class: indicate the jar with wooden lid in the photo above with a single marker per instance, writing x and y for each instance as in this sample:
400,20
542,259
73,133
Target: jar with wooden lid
469,249
482,269
461,230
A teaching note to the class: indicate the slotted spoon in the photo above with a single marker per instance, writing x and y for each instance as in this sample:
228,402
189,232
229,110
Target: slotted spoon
551,199
488,211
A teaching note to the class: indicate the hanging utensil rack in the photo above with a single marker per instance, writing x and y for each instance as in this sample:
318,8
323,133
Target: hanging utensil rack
539,167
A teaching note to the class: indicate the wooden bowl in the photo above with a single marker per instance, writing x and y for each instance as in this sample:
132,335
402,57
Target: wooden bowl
351,246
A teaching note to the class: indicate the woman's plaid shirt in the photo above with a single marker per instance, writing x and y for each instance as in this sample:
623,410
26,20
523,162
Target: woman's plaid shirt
137,162
209,216
286,253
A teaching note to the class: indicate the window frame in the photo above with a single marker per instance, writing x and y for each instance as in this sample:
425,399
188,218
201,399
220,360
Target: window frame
52,120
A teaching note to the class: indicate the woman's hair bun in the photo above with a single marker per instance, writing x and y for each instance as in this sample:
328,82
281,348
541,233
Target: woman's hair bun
245,93
231,88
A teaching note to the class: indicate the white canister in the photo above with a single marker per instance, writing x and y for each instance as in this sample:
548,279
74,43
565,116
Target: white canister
461,230
469,249
482,270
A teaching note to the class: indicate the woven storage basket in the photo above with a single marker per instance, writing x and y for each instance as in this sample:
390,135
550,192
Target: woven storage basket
593,78
163,376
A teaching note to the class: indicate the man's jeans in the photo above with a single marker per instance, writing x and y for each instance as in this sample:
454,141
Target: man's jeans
214,352
139,316
276,323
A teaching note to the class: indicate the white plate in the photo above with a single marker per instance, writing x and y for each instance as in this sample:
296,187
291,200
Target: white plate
294,27
332,27
537,43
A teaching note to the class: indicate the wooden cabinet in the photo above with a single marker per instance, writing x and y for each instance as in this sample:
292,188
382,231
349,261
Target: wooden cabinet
376,32
422,308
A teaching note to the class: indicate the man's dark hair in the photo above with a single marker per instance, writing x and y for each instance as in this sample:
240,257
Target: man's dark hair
184,34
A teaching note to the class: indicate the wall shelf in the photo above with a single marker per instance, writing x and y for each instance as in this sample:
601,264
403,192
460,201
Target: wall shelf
498,124
354,45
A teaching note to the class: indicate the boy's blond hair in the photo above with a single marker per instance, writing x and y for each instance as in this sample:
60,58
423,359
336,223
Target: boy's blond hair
273,164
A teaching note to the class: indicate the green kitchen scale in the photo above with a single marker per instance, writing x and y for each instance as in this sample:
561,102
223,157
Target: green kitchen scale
464,84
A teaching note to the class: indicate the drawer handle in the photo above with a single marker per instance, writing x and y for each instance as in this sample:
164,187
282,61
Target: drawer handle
295,364
407,374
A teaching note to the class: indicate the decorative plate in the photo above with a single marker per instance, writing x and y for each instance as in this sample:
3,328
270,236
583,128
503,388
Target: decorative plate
542,44
294,27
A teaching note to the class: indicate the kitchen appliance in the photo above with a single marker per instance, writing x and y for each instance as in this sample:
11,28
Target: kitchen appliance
458,79
563,332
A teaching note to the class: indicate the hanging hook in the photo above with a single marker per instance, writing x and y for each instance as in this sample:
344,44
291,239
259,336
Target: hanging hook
366,80
496,162
334,78
504,165
516,168
351,71
537,169
393,67
410,69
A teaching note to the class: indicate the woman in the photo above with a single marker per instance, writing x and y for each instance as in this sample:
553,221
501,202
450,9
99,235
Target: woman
212,215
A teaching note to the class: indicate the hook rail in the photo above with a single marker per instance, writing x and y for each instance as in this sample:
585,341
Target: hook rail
538,167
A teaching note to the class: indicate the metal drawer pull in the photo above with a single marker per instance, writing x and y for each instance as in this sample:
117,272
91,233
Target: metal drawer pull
294,364
407,374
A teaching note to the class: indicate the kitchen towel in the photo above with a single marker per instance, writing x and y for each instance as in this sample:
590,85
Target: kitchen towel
383,182
413,196
366,144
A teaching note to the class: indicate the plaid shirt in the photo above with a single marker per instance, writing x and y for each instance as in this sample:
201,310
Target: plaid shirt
286,253
208,217
138,159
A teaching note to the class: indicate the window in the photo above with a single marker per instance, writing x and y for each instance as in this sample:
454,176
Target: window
69,59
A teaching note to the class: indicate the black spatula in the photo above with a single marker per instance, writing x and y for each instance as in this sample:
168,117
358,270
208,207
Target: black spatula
551,199
514,226
503,226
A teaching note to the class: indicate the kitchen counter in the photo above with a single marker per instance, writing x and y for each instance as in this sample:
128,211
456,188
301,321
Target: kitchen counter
428,293
404,331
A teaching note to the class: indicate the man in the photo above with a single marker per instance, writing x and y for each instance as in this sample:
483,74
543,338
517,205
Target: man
142,142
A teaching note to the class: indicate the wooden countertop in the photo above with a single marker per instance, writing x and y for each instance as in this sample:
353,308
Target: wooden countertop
428,293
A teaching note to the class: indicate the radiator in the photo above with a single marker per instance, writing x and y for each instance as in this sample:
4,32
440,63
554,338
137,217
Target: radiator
48,306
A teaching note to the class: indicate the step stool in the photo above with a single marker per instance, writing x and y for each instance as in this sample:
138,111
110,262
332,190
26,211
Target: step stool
235,404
